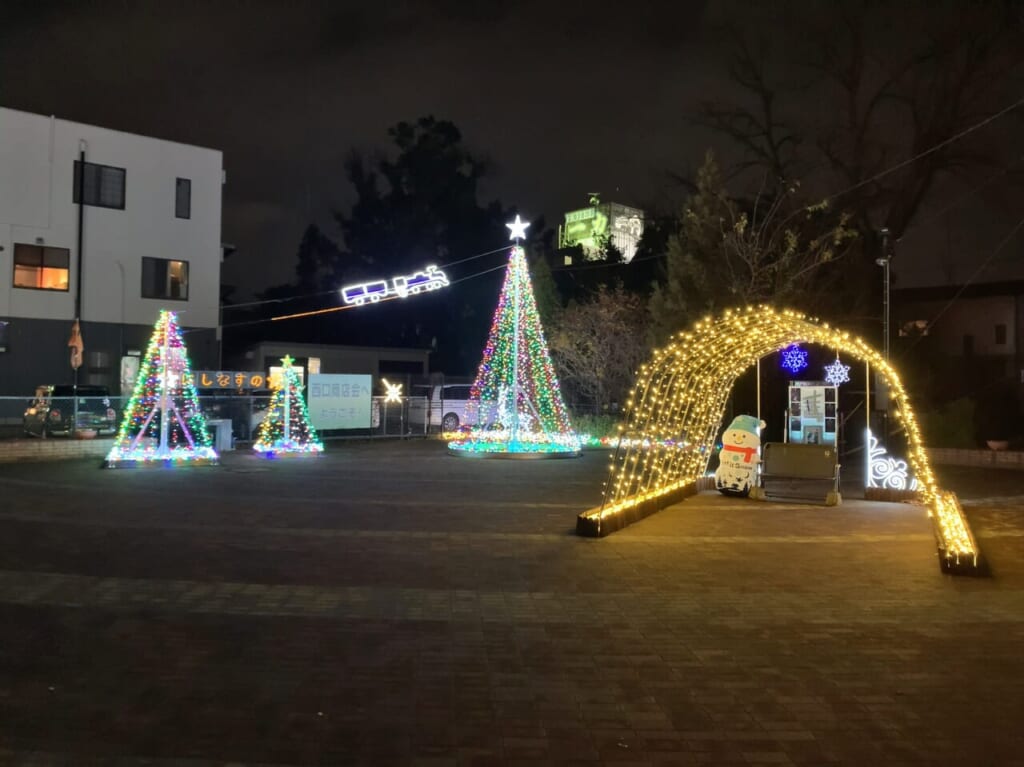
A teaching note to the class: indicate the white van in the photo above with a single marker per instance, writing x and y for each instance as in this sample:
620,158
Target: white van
441,405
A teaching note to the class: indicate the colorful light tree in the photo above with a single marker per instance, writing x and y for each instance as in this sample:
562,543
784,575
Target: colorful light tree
286,427
515,406
163,420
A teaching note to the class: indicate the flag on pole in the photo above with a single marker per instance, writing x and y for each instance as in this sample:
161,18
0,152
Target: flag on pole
76,346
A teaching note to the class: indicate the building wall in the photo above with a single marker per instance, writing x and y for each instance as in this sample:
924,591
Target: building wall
37,156
591,228
335,359
45,344
991,369
977,317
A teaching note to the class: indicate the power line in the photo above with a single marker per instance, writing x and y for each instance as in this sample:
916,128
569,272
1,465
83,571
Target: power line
470,258
332,309
333,292
931,150
607,264
984,265
968,195
882,174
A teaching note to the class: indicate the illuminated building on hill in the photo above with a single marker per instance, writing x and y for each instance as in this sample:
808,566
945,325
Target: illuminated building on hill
600,225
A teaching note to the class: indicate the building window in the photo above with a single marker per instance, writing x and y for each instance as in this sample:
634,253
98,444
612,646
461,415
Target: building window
968,346
183,198
37,267
1000,334
103,185
165,279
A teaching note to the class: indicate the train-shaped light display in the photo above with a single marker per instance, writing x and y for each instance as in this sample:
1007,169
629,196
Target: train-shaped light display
430,278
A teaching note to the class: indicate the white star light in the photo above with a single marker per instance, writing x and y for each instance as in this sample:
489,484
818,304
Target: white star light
517,228
837,373
394,391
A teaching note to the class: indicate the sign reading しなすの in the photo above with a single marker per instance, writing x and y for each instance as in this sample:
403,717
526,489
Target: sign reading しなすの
230,379
339,401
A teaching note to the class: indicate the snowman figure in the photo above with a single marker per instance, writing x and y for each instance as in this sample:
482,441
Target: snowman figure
740,456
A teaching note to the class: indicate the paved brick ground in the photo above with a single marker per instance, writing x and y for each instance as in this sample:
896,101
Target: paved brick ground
389,604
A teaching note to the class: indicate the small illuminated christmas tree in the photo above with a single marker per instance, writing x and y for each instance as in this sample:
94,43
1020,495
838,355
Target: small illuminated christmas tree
515,405
286,427
163,420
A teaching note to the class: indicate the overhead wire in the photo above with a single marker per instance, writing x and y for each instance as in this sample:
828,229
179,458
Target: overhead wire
982,267
300,296
924,153
917,224
332,309
853,187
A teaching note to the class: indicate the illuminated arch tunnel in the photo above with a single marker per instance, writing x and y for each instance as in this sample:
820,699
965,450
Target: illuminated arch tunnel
677,405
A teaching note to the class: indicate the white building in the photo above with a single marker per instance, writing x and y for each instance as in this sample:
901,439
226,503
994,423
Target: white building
601,225
148,236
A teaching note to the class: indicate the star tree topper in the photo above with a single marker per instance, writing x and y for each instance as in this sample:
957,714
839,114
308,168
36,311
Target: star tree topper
837,373
517,228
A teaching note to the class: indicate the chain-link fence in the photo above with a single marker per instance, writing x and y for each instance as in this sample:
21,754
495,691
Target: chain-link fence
54,415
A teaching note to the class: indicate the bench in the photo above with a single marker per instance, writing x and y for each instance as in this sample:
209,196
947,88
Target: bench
792,470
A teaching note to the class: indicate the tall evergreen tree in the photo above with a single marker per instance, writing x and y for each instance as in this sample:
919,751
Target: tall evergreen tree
417,208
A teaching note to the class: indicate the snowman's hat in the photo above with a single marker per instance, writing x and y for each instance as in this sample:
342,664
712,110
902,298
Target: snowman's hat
747,423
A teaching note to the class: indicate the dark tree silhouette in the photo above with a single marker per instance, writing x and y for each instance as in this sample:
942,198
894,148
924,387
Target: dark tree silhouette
893,87
415,209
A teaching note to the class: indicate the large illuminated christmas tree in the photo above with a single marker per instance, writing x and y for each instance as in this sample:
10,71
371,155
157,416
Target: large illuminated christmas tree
163,420
516,405
286,427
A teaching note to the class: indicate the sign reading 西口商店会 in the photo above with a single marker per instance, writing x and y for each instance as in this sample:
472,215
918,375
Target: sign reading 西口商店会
339,401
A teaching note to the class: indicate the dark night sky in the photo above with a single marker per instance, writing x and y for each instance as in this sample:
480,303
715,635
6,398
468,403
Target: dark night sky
563,98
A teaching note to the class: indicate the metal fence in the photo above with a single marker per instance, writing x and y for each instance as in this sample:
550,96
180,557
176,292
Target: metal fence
404,418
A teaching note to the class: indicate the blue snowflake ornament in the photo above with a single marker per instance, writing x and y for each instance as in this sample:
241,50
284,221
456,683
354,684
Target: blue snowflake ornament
794,359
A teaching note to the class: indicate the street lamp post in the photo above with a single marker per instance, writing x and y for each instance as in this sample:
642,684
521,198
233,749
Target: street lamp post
885,262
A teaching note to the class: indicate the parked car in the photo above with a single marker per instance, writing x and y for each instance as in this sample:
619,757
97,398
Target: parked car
245,412
52,411
442,405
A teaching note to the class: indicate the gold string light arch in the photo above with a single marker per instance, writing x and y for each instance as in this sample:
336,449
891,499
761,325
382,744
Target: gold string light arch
677,404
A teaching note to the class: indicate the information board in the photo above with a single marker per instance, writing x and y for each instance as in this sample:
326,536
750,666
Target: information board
339,401
813,416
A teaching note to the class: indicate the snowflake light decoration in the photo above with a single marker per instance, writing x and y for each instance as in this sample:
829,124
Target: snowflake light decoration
886,471
794,359
837,373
